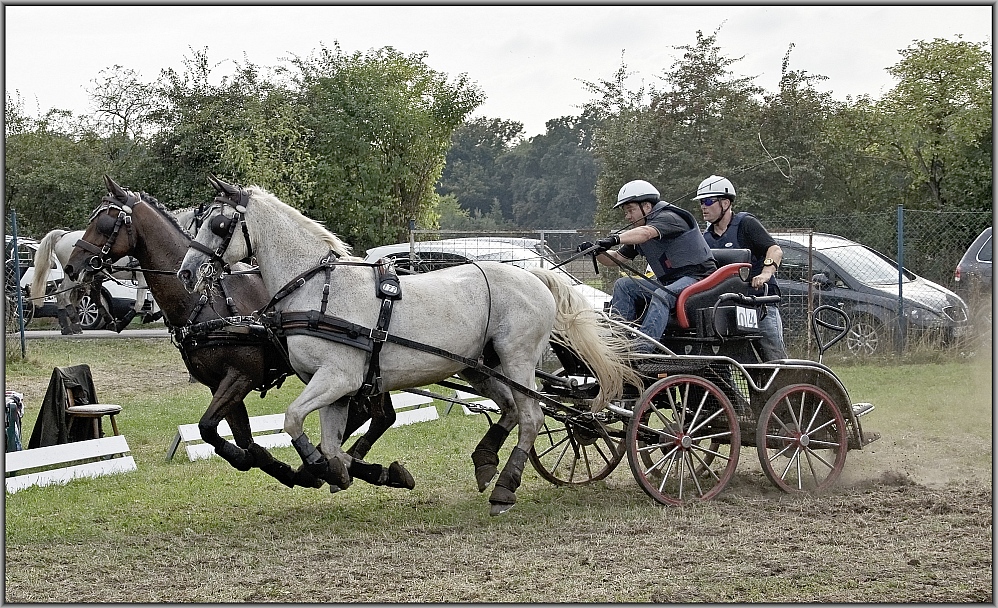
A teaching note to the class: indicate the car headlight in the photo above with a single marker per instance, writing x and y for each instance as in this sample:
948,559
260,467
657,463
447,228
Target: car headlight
924,317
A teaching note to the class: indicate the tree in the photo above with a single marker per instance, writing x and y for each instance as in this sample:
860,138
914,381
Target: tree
940,110
470,172
51,173
703,120
380,124
793,123
551,178
192,119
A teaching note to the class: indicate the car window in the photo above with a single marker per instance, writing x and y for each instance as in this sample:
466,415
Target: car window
794,267
425,261
864,265
985,254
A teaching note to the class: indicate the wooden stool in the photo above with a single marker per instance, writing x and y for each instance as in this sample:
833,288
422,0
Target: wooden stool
94,411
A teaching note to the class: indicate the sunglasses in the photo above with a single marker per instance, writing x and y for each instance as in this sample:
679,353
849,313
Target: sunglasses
707,202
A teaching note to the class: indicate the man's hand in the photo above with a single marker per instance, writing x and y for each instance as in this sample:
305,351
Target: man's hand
584,247
760,279
611,241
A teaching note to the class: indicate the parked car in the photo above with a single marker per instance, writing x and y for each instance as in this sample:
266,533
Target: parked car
522,252
972,277
863,283
116,299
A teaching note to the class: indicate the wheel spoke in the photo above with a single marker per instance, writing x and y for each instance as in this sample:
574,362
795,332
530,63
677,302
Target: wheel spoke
674,440
812,463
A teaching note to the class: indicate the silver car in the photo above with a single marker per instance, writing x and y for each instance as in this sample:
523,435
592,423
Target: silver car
423,256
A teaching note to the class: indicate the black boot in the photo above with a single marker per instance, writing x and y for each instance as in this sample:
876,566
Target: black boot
123,322
64,322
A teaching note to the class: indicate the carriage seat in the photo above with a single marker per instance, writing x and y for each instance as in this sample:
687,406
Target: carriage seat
704,293
723,257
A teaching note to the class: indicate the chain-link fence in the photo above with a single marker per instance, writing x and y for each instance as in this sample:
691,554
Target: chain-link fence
17,310
890,311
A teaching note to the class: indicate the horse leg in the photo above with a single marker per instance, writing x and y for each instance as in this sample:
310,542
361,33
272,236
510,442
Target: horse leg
331,463
63,317
227,401
383,417
64,303
486,454
529,418
73,310
73,315
361,410
503,495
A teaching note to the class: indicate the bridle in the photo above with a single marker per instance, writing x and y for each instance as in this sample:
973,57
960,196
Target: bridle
101,258
225,228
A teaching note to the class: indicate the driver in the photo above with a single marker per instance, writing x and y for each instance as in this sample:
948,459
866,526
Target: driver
670,239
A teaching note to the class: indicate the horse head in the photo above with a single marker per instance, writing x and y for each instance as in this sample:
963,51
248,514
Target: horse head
214,238
100,239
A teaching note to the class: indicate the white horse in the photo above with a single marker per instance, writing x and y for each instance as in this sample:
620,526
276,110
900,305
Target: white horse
485,319
58,244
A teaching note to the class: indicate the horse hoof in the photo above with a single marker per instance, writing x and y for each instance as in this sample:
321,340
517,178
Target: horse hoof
486,467
498,508
333,489
484,476
399,477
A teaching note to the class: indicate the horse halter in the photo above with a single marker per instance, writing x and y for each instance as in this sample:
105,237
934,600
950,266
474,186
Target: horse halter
101,257
224,227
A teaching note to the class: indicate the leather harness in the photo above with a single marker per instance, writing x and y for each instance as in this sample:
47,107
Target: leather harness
317,323
191,336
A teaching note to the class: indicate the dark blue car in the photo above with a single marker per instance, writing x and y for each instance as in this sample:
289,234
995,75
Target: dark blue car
864,283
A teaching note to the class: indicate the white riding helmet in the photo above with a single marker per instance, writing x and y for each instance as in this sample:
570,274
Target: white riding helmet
637,191
715,185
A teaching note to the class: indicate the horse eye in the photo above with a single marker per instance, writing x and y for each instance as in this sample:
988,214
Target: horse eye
219,225
105,224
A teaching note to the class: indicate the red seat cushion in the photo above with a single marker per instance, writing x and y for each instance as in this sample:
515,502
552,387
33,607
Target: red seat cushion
704,287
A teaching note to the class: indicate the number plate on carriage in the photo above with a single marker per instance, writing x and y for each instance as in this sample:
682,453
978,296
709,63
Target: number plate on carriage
746,318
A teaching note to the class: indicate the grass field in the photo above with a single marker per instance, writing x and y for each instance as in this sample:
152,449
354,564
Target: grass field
910,520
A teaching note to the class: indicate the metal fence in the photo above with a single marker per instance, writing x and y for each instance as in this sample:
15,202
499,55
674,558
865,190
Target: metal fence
16,309
901,316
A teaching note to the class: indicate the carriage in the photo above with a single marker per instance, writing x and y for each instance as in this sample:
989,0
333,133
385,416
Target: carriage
703,395
707,395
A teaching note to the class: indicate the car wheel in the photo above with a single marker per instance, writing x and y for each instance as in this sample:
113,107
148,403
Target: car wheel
867,336
92,315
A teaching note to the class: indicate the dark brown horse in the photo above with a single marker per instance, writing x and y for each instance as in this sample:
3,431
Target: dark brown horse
232,359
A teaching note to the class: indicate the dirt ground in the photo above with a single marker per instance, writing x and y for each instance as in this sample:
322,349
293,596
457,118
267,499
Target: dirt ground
897,529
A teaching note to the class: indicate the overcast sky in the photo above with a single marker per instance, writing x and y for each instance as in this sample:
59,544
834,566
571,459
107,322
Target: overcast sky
528,60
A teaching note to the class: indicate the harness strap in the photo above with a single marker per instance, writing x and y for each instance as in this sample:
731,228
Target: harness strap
327,263
297,323
475,365
237,331
387,288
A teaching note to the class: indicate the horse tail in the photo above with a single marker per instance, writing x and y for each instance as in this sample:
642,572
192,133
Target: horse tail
43,261
603,347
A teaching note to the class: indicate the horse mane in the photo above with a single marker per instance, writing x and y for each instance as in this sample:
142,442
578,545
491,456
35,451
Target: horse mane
158,206
260,196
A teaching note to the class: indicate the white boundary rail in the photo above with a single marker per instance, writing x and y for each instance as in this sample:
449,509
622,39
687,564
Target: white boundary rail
268,430
112,452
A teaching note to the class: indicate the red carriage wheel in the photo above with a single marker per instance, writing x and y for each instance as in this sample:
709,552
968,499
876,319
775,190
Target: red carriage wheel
683,440
802,439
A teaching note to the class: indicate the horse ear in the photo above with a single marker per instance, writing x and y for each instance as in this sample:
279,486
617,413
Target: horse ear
222,187
214,183
114,189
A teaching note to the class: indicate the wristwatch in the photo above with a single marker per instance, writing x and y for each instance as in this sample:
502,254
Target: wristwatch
769,262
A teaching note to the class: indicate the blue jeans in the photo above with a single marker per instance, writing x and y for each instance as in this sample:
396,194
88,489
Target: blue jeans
771,346
628,291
